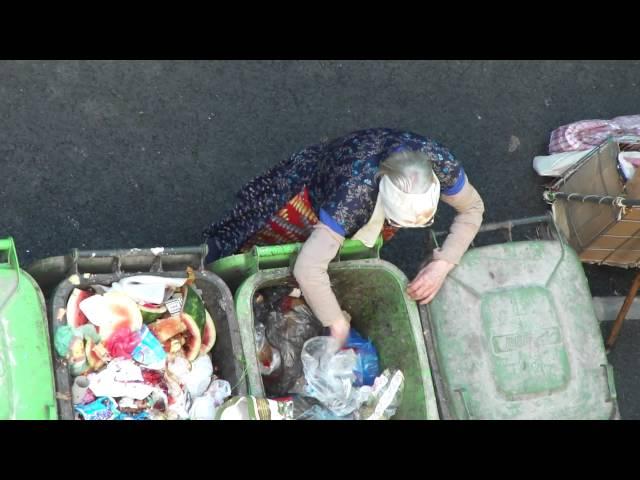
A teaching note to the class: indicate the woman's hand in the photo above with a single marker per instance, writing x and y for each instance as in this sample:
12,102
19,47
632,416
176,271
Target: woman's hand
427,283
340,329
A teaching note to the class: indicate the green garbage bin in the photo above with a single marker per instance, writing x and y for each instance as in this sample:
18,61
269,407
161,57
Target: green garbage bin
370,289
513,335
226,355
26,375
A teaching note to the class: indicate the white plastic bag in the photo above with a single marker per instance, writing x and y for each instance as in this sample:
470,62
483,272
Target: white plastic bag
219,390
268,357
148,288
204,407
199,378
329,375
385,396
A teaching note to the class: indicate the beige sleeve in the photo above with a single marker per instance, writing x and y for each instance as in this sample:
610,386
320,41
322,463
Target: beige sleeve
311,273
465,226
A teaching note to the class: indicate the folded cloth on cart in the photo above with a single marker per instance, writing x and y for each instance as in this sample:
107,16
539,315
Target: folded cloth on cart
586,134
555,165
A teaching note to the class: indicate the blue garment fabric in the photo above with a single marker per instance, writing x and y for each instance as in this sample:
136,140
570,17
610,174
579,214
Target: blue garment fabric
340,178
456,187
331,222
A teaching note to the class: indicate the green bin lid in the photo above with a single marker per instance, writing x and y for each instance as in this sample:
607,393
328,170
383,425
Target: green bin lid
27,389
516,337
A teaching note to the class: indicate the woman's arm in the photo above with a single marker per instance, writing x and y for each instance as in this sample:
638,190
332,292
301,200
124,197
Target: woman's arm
464,228
311,273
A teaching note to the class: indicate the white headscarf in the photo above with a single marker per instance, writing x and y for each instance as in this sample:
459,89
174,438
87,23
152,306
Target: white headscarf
405,209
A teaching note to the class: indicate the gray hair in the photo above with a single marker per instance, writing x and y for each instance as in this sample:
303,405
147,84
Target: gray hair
411,172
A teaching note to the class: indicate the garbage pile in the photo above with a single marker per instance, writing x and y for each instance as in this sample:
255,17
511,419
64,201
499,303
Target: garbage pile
306,374
139,350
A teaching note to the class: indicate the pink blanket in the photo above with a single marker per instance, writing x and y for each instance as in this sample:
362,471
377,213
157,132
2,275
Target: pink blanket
587,134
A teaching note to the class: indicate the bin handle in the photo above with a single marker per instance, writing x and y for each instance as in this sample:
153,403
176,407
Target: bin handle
275,256
8,245
356,247
608,369
465,402
52,411
157,254
279,256
508,225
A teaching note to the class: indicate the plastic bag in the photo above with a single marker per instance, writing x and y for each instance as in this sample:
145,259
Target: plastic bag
204,407
329,373
62,340
307,408
287,332
267,301
249,407
199,378
103,408
219,390
318,412
269,359
149,351
367,365
148,288
384,398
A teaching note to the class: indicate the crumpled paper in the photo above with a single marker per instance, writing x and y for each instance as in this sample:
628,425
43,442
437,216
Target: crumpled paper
121,378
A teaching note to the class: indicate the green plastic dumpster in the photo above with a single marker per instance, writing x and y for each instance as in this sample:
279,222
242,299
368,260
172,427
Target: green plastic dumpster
26,375
513,335
226,355
370,289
